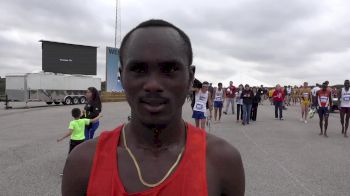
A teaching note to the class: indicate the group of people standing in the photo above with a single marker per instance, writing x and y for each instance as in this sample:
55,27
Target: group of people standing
247,99
318,99
206,97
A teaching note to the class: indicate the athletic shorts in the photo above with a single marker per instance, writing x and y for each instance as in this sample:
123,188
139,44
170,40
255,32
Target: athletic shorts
305,102
323,111
345,110
74,143
218,104
198,115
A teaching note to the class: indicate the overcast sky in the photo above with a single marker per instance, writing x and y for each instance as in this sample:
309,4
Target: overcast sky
246,41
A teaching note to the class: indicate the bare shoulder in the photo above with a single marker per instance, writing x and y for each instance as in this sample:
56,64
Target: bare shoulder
76,171
218,148
226,160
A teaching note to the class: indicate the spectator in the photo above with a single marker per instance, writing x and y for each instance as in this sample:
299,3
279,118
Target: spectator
256,101
230,98
247,96
278,98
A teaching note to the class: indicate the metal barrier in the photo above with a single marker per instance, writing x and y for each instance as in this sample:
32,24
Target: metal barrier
4,98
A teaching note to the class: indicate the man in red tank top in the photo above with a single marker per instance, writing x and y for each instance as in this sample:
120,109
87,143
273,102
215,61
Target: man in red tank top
156,153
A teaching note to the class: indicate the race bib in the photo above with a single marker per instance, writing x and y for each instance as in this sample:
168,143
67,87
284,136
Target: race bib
199,106
346,98
218,98
323,99
306,95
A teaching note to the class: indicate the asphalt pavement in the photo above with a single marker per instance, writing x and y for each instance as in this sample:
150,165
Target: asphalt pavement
280,157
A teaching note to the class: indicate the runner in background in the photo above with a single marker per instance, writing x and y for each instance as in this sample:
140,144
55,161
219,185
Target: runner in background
344,98
305,101
324,101
219,99
239,102
200,106
230,98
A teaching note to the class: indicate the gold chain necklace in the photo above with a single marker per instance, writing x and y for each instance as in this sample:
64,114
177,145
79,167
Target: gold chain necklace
138,167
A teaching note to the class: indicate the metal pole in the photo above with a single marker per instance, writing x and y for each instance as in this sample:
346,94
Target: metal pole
116,24
120,22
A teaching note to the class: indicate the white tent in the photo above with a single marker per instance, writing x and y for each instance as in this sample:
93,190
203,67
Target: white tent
244,79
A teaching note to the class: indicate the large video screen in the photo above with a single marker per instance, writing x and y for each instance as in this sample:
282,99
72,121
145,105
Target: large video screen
68,58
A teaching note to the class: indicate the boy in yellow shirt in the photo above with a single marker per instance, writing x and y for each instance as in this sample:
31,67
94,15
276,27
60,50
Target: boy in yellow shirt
76,129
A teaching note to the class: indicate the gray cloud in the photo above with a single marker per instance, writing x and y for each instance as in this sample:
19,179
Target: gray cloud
273,41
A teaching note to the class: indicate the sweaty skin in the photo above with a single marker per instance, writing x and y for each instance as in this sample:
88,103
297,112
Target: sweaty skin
156,70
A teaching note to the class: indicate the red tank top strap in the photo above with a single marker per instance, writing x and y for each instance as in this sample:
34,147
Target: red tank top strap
104,166
188,178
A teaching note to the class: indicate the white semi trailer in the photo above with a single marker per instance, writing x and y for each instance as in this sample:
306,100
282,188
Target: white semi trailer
50,87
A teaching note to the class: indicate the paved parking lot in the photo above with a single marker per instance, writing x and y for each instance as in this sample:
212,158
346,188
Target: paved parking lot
280,157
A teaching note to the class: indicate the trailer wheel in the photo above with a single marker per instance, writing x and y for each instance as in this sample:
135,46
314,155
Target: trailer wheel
82,100
57,103
68,101
48,103
75,100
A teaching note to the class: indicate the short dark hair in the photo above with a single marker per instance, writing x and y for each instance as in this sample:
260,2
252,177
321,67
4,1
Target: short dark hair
157,23
76,113
220,84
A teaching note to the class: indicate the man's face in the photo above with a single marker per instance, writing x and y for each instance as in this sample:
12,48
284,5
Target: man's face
204,88
305,84
246,87
347,84
220,86
88,94
156,76
231,83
